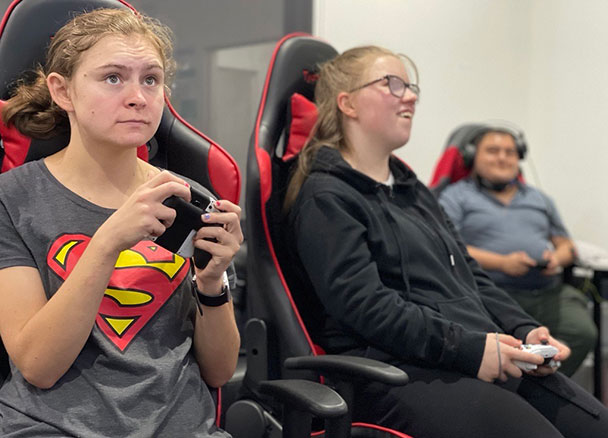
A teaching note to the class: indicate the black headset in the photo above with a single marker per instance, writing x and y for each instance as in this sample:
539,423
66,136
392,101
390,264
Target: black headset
472,134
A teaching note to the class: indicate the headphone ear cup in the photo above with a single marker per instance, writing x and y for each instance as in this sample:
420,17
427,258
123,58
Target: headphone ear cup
520,141
522,148
468,154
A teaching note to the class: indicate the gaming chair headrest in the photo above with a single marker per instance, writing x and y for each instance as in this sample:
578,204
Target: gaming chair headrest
25,33
466,138
32,24
293,69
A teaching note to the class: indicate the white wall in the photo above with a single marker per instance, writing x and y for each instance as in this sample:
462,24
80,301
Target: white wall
537,63
568,113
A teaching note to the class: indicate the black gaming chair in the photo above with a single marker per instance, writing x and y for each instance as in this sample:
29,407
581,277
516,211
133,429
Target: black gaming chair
278,342
25,31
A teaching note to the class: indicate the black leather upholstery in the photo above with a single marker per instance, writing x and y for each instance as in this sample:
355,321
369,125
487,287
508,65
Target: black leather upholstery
27,29
293,65
277,339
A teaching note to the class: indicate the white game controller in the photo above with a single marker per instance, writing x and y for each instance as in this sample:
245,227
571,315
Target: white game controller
546,351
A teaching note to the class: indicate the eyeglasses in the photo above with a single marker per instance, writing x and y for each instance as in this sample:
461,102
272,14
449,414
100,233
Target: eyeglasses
396,86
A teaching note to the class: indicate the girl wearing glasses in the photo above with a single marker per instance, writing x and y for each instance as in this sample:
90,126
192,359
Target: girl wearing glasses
394,282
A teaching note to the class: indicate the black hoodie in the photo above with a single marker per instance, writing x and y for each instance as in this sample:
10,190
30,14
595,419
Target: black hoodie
390,271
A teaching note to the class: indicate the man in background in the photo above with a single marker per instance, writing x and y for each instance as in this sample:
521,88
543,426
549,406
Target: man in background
516,234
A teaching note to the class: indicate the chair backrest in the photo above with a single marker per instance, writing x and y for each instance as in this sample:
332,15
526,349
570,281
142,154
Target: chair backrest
25,31
290,81
458,155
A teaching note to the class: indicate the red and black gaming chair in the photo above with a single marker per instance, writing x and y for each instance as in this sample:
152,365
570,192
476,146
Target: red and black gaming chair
458,155
25,30
278,343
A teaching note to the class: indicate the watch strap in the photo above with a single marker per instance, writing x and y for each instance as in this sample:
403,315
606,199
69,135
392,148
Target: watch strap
215,300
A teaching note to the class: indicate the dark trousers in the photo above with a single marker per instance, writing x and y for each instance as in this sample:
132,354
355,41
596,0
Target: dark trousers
438,403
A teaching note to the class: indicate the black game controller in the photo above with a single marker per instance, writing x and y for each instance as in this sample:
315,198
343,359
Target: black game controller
178,237
541,264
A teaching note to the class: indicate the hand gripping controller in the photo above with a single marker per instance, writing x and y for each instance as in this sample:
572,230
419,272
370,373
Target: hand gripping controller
541,264
178,237
546,351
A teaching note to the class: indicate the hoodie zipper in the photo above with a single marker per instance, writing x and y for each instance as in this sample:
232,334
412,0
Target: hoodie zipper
428,222
432,222
385,192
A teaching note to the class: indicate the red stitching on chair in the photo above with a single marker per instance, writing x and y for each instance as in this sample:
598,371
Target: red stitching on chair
265,172
383,429
275,260
217,176
128,5
16,2
368,426
266,189
7,14
267,81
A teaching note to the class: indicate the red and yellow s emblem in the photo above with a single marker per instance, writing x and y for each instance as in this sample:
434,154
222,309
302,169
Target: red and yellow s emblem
144,278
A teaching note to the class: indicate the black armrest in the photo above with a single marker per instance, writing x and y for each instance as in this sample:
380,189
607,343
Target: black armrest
342,373
350,367
302,400
305,396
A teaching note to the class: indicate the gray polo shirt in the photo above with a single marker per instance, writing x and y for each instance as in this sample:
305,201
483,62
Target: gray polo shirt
527,224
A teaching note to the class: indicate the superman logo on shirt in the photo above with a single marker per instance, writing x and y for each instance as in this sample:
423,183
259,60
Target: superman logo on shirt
144,278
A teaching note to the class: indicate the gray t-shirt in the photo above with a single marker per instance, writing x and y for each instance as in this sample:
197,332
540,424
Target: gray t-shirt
136,375
527,224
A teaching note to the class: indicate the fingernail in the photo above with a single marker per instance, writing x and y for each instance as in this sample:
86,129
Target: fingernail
186,184
217,203
206,216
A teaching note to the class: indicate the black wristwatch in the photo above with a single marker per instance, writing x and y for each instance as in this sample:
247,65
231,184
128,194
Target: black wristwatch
212,301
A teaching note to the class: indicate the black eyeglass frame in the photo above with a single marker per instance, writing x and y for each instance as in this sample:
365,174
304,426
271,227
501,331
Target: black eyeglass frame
414,87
